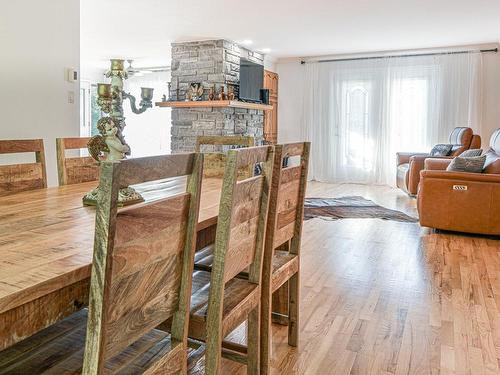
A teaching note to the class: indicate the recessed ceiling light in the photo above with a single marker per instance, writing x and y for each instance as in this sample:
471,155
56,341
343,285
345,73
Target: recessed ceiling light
246,42
265,50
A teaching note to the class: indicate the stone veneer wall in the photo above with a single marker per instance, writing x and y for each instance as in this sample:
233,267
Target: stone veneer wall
213,62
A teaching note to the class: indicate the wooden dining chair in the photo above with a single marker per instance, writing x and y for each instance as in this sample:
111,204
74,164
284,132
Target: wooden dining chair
281,264
220,301
141,276
215,159
75,169
27,176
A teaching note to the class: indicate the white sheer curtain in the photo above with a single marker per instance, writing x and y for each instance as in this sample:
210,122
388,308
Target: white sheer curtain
148,133
359,113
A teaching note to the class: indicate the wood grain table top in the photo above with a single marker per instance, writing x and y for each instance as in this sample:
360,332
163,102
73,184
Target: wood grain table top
46,236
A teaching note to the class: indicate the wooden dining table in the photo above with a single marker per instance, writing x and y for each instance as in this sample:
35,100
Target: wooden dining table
46,245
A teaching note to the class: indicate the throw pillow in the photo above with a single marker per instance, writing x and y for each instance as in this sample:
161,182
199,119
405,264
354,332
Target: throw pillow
471,153
441,150
474,164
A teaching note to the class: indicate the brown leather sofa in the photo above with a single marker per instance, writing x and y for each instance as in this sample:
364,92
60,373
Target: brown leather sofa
410,164
461,201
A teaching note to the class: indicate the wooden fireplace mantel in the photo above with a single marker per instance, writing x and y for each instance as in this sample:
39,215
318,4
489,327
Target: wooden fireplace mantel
215,104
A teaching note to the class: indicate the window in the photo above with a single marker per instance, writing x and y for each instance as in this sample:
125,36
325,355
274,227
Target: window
358,145
409,113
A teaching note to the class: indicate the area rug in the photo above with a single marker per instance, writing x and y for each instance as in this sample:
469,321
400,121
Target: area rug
351,207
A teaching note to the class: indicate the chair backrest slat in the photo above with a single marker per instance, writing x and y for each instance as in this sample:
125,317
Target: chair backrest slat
78,169
215,159
27,176
287,195
243,212
244,226
141,169
295,149
286,204
143,256
230,140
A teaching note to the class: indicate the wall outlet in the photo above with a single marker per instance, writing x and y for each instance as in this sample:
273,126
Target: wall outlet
71,75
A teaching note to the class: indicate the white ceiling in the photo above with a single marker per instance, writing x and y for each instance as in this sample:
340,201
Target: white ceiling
143,30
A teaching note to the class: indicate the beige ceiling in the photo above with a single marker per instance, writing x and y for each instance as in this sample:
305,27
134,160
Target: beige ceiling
144,29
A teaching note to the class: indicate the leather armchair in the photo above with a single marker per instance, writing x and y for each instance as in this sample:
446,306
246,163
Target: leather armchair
409,164
461,201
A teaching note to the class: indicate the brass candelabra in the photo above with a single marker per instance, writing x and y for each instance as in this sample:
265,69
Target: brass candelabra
110,144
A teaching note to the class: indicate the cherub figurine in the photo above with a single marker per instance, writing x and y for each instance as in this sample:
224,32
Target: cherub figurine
195,92
107,145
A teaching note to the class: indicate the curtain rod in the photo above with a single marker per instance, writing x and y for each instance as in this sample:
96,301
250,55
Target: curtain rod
494,50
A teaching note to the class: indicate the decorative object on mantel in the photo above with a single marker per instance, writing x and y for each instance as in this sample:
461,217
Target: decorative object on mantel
211,93
164,98
110,144
221,95
264,96
230,92
195,92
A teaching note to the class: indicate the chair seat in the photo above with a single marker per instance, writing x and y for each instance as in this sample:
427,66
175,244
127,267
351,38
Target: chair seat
240,297
59,350
283,261
285,265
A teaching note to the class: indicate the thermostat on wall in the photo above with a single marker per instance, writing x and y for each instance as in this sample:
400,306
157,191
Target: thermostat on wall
71,74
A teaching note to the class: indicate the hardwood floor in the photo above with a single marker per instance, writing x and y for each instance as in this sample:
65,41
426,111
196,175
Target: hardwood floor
383,297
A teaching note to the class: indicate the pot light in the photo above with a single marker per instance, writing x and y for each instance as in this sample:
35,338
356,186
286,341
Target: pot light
246,42
265,50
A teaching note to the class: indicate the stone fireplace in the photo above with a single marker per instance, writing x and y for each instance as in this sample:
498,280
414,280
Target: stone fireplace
212,63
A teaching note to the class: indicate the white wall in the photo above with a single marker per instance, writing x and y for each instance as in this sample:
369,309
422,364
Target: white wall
291,83
269,63
38,40
148,134
290,89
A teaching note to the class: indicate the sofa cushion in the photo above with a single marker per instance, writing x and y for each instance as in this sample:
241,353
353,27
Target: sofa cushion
441,150
402,176
492,164
462,164
470,153
461,136
495,141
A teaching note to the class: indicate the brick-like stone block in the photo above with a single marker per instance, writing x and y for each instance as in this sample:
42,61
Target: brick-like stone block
204,124
216,78
212,132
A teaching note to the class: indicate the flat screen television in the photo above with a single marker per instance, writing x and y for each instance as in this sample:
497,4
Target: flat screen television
251,81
